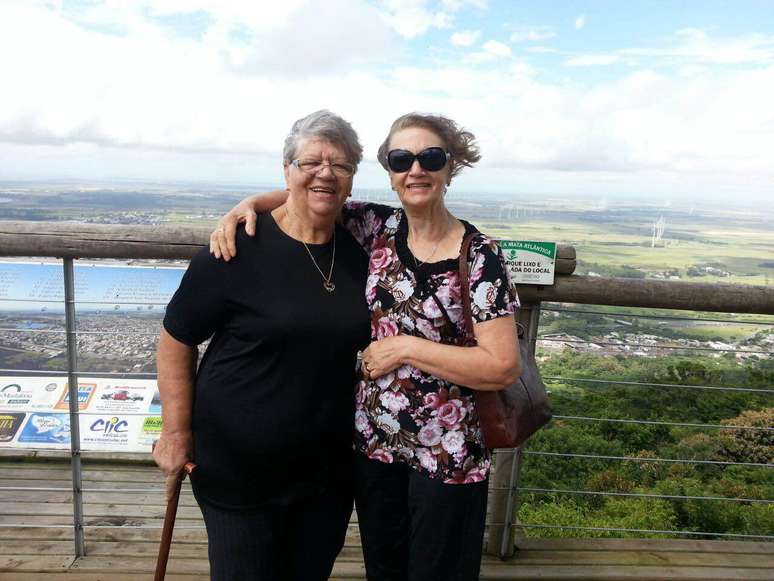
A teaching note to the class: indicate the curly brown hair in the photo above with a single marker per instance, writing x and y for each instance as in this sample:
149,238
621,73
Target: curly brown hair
461,144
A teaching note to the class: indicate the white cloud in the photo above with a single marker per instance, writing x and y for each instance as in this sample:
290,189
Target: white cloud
580,22
145,89
457,5
412,18
540,49
147,95
492,50
691,48
589,60
533,34
496,48
465,38
696,45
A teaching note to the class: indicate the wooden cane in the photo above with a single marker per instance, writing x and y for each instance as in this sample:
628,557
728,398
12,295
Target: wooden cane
169,523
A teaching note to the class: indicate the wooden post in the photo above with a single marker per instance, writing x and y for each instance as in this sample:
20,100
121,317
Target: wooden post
499,502
507,466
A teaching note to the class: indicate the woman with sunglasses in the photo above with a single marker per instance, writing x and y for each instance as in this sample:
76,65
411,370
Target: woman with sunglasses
422,468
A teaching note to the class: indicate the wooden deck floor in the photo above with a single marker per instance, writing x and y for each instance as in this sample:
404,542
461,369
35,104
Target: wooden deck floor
119,550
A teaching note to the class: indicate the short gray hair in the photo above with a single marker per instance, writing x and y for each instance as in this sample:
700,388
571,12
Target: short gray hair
327,126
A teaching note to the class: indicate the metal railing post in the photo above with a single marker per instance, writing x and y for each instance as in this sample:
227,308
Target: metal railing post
507,543
72,391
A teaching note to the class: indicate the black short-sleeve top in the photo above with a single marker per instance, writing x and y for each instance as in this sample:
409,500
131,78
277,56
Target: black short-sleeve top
273,408
408,415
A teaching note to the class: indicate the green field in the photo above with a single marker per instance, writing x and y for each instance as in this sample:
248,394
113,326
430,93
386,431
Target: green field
740,244
611,239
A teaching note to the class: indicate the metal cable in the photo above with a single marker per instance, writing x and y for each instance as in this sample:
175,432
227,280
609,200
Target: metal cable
36,488
83,413
352,525
177,527
491,488
33,526
62,332
665,317
117,301
88,374
655,423
145,333
645,384
635,459
649,531
58,331
4,299
84,490
678,348
642,495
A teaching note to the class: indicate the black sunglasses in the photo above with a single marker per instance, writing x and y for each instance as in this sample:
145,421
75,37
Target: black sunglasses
430,159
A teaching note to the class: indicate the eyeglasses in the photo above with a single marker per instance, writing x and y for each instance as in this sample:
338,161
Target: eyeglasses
430,159
315,166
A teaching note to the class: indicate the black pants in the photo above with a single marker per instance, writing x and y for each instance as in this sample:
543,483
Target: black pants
298,542
417,529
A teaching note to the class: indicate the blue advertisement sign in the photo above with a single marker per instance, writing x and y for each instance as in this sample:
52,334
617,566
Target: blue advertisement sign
39,287
46,429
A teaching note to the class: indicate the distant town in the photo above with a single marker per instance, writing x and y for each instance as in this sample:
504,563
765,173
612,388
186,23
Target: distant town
634,238
126,343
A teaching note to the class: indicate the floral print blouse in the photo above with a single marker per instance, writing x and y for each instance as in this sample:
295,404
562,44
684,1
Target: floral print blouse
408,415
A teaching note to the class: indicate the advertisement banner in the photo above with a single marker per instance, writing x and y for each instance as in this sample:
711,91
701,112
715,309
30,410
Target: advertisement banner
115,415
9,425
150,431
85,393
122,396
113,433
29,393
46,429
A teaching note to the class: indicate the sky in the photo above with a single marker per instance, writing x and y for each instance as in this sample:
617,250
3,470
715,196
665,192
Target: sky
655,98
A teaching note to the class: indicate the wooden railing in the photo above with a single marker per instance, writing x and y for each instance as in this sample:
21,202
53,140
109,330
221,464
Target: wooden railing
65,240
72,241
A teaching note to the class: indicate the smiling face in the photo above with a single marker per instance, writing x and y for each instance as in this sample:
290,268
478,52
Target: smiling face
419,187
321,194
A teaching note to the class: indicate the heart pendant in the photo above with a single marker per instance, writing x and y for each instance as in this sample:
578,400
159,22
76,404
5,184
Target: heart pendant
329,286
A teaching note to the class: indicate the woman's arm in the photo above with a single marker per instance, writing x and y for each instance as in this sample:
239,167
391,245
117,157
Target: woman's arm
491,365
223,238
176,364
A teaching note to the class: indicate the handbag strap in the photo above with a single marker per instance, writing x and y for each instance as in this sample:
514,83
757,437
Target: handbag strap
444,313
467,310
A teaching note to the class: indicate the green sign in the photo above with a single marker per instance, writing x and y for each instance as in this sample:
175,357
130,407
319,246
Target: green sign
529,261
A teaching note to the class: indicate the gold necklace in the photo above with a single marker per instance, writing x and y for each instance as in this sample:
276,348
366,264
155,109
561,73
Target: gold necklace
328,284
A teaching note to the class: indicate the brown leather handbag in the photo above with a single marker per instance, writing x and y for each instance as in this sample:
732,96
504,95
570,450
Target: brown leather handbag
509,416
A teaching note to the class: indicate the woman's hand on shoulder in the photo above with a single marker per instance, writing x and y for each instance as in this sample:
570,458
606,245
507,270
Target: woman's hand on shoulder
223,238
386,355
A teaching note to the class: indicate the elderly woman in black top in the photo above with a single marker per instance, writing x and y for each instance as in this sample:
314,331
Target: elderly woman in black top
268,416
421,465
